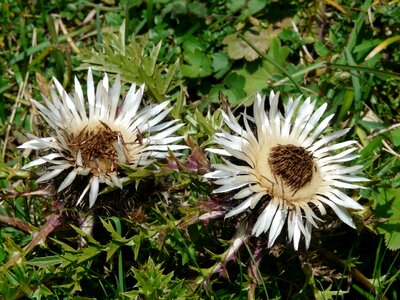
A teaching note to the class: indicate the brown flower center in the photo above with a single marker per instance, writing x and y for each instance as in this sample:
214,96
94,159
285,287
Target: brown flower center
293,164
98,148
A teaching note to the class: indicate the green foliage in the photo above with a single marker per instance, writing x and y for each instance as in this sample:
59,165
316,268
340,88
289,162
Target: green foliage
127,58
153,284
165,237
197,64
387,207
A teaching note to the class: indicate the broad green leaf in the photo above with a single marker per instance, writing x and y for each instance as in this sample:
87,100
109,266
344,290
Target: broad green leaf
321,48
197,64
253,7
395,134
277,53
191,44
237,48
221,64
255,81
387,206
372,125
235,5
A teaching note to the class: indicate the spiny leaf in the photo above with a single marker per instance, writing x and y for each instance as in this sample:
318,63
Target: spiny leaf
44,262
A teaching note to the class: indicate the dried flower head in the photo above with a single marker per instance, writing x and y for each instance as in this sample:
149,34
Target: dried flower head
95,144
288,165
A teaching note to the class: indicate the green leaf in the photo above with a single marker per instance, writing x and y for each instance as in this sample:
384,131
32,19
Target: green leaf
149,62
235,88
165,84
321,48
253,7
237,48
371,147
117,241
41,291
372,125
382,73
88,253
152,283
259,79
355,79
327,293
277,53
361,49
221,64
129,59
46,261
191,44
383,45
198,64
387,206
87,236
177,242
235,5
346,104
2,255
395,135
204,123
360,21
47,44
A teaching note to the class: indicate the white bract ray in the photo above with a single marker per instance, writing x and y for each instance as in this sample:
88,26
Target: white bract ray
92,137
286,161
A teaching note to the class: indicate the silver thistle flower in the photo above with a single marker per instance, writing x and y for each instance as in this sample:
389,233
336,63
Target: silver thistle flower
289,164
94,143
